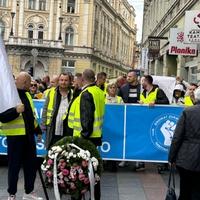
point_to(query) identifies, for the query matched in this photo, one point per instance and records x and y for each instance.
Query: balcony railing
(34, 42)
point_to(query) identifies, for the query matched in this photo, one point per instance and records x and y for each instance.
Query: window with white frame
(32, 4)
(2, 29)
(3, 3)
(71, 6)
(42, 4)
(68, 66)
(69, 36)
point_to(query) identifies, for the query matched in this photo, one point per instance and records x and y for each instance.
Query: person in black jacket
(185, 151)
(21, 148)
(130, 92)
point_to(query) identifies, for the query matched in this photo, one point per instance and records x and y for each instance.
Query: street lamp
(60, 20)
(12, 16)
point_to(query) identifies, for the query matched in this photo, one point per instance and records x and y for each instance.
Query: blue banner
(130, 132)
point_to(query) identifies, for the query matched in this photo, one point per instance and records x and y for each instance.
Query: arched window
(69, 36)
(2, 29)
(40, 34)
(30, 32)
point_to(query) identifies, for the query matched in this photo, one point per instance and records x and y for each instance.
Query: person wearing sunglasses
(34, 90)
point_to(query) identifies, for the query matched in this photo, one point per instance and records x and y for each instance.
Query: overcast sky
(138, 5)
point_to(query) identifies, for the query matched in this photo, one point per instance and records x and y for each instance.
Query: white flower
(87, 153)
(47, 166)
(74, 156)
(52, 156)
(70, 154)
(56, 149)
(94, 160)
(43, 168)
(63, 153)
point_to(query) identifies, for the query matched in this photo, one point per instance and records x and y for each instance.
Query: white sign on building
(144, 61)
(177, 45)
(192, 26)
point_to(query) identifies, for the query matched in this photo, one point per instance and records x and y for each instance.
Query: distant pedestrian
(185, 151)
(189, 98)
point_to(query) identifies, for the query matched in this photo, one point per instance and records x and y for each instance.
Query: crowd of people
(74, 106)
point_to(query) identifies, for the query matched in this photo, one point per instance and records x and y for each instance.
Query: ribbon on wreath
(90, 175)
(55, 180)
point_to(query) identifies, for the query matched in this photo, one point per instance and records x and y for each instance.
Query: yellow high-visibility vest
(188, 101)
(99, 101)
(71, 114)
(17, 126)
(150, 98)
(50, 107)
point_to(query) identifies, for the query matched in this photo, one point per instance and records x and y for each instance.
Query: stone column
(37, 5)
(59, 7)
(14, 9)
(165, 67)
(50, 31)
(21, 18)
(180, 66)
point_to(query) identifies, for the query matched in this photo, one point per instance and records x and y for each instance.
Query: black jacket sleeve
(87, 109)
(177, 138)
(161, 97)
(9, 115)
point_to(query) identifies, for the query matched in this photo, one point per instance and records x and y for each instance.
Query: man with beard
(55, 110)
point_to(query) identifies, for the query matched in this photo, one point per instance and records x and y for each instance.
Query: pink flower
(86, 181)
(81, 177)
(50, 162)
(62, 160)
(49, 174)
(84, 163)
(64, 164)
(65, 172)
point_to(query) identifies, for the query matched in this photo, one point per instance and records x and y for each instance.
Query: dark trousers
(189, 184)
(21, 152)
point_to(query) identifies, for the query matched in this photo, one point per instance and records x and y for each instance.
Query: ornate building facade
(159, 17)
(53, 36)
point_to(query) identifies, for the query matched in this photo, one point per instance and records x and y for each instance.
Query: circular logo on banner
(162, 131)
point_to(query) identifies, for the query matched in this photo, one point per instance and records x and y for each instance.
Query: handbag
(171, 194)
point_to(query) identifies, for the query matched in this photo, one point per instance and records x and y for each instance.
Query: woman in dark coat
(185, 151)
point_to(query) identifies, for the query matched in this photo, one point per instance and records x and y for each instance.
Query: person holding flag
(19, 124)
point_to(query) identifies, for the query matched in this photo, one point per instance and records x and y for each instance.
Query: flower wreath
(73, 159)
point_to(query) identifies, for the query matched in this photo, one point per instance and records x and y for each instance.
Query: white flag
(8, 92)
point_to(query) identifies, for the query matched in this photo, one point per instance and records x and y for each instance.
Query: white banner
(166, 83)
(9, 95)
(144, 62)
(177, 45)
(192, 26)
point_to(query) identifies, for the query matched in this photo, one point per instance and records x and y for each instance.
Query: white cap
(179, 87)
(197, 94)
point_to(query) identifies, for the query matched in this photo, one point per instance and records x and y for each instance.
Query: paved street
(125, 184)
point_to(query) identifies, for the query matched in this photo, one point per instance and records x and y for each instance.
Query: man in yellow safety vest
(19, 125)
(55, 110)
